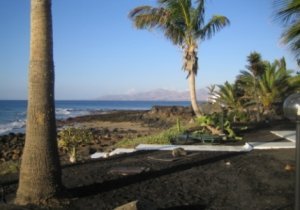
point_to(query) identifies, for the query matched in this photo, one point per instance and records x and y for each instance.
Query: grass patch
(9, 167)
(161, 138)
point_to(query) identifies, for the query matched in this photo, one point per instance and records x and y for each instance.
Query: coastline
(13, 112)
(202, 180)
(107, 128)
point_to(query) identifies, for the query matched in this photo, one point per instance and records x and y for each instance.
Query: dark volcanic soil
(258, 180)
(204, 180)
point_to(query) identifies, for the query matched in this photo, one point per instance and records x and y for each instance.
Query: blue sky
(97, 50)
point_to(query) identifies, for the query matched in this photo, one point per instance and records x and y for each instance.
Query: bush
(216, 122)
(71, 138)
(9, 167)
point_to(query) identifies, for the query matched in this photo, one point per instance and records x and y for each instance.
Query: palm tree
(256, 65)
(289, 14)
(228, 97)
(40, 174)
(249, 80)
(273, 84)
(294, 83)
(184, 25)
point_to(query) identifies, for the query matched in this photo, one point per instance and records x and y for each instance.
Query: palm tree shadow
(188, 207)
(96, 188)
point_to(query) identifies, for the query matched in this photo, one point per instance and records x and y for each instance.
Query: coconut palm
(289, 14)
(184, 25)
(40, 173)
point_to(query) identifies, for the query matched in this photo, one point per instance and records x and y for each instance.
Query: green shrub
(71, 138)
(218, 121)
(9, 167)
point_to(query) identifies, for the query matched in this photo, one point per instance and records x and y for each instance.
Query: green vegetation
(161, 138)
(9, 167)
(71, 138)
(216, 123)
(256, 95)
(178, 124)
(258, 92)
(288, 13)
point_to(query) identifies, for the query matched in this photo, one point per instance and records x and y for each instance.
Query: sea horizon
(13, 112)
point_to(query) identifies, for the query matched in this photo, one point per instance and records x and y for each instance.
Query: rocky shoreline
(107, 129)
(11, 146)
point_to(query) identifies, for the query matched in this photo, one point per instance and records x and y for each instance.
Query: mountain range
(157, 95)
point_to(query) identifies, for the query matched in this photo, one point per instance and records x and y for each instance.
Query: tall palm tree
(249, 79)
(184, 25)
(40, 174)
(255, 64)
(289, 14)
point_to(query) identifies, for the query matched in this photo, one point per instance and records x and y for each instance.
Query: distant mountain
(157, 95)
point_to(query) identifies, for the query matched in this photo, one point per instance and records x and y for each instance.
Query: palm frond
(200, 14)
(228, 96)
(289, 14)
(288, 11)
(148, 17)
(184, 9)
(294, 83)
(255, 64)
(292, 37)
(175, 34)
(216, 23)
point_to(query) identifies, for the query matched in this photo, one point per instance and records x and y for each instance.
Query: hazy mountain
(157, 95)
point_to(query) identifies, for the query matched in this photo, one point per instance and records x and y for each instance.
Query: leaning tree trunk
(40, 174)
(190, 64)
(193, 95)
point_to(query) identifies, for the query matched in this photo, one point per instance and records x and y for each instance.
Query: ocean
(13, 112)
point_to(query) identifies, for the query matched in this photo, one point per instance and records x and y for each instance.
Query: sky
(98, 51)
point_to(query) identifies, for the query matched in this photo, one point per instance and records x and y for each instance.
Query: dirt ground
(257, 180)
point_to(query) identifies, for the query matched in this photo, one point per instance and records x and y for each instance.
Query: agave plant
(71, 138)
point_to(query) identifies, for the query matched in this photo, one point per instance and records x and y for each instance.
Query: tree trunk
(190, 64)
(258, 118)
(193, 95)
(40, 174)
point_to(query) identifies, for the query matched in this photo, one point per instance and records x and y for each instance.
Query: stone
(137, 205)
(178, 152)
(289, 167)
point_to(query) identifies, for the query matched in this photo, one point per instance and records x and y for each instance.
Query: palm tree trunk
(40, 174)
(190, 64)
(193, 95)
(258, 118)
